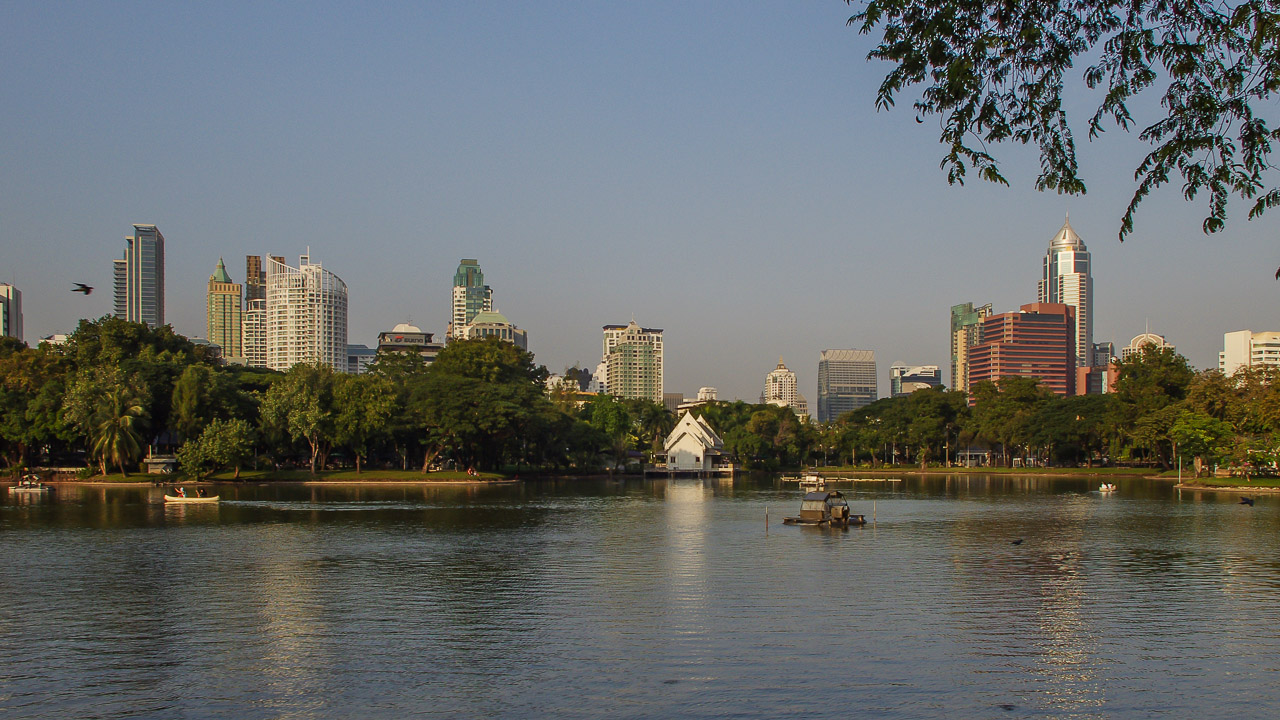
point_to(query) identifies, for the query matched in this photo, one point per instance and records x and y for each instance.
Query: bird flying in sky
(82, 288)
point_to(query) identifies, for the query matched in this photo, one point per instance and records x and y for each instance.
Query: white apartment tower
(780, 388)
(1248, 349)
(306, 316)
(632, 362)
(1065, 278)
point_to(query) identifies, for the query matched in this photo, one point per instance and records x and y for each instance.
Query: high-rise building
(846, 382)
(1066, 278)
(306, 316)
(1037, 342)
(905, 379)
(1140, 342)
(966, 331)
(225, 317)
(139, 278)
(253, 335)
(1248, 349)
(255, 277)
(470, 297)
(780, 388)
(632, 362)
(10, 311)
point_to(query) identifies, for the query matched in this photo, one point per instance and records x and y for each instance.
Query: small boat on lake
(809, 482)
(29, 484)
(825, 508)
(179, 499)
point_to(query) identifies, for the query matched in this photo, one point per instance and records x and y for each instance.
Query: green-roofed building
(225, 314)
(491, 323)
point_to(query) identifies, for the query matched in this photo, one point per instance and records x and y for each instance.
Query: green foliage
(300, 406)
(221, 444)
(995, 71)
(364, 404)
(109, 409)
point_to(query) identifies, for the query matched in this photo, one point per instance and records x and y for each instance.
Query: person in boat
(200, 492)
(182, 492)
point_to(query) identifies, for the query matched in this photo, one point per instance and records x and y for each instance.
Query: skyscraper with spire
(1066, 278)
(225, 313)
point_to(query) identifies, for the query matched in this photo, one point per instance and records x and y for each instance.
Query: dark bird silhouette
(922, 122)
(1018, 541)
(1246, 501)
(82, 288)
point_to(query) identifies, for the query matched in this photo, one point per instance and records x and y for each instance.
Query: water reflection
(650, 598)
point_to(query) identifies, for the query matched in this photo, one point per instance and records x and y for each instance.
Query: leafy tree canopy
(995, 70)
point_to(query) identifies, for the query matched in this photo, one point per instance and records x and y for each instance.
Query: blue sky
(719, 171)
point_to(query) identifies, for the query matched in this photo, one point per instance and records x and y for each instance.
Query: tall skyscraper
(10, 311)
(846, 382)
(1037, 342)
(306, 316)
(470, 296)
(225, 316)
(781, 388)
(966, 331)
(632, 362)
(1065, 278)
(905, 379)
(139, 278)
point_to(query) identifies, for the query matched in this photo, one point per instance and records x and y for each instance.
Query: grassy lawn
(907, 469)
(1233, 482)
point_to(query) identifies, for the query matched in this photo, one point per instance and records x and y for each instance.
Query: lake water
(630, 599)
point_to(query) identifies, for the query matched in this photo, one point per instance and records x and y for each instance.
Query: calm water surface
(638, 599)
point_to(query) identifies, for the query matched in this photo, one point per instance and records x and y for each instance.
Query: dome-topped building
(1066, 278)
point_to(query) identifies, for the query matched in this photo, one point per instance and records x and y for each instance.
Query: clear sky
(717, 170)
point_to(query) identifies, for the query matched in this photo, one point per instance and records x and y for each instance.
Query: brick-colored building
(1038, 341)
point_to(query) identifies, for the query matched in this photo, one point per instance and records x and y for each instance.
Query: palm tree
(115, 435)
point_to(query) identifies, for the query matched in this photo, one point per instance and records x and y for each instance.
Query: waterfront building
(1066, 278)
(905, 379)
(253, 333)
(1037, 342)
(306, 316)
(10, 311)
(139, 278)
(409, 338)
(632, 362)
(359, 358)
(224, 319)
(781, 388)
(1146, 339)
(966, 331)
(1248, 349)
(693, 446)
(846, 382)
(491, 323)
(470, 297)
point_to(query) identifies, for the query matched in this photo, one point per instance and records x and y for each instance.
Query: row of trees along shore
(117, 387)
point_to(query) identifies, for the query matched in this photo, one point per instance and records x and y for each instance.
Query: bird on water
(1018, 541)
(1246, 501)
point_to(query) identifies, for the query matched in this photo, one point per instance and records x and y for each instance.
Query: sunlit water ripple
(640, 600)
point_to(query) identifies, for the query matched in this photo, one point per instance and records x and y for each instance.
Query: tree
(110, 410)
(300, 405)
(614, 421)
(1004, 410)
(364, 405)
(995, 71)
(222, 443)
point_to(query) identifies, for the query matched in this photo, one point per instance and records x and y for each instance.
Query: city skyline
(738, 156)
